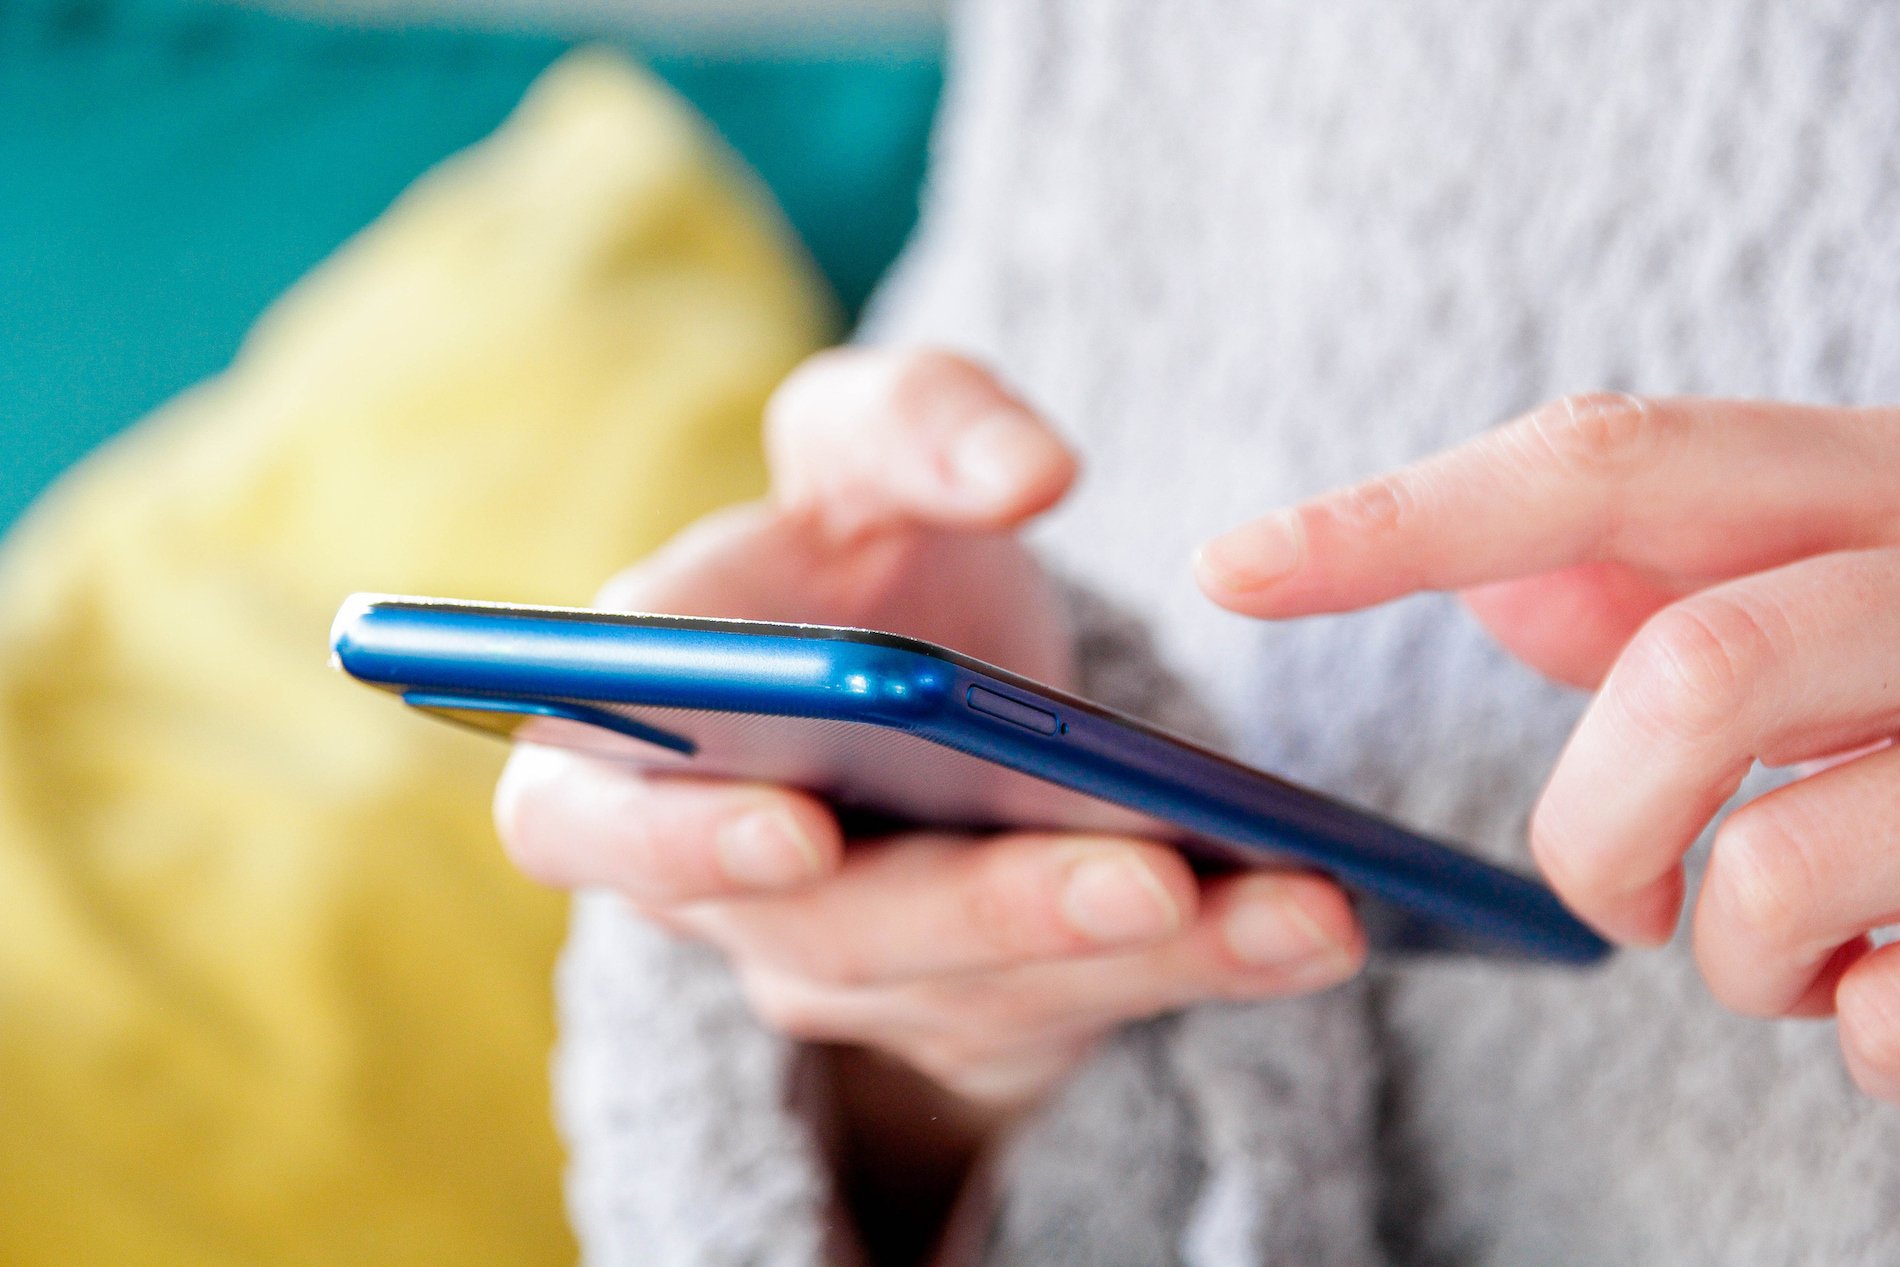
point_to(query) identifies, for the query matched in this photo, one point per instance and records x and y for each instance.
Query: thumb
(863, 438)
(753, 562)
(740, 563)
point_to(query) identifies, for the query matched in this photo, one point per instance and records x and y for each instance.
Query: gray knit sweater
(1242, 250)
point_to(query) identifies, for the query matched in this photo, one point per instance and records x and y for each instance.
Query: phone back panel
(896, 732)
(869, 773)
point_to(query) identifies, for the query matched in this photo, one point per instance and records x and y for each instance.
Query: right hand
(990, 965)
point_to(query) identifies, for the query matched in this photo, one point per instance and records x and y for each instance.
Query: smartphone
(898, 732)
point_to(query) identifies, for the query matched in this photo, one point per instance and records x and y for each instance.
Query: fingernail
(1275, 932)
(767, 849)
(1254, 556)
(997, 455)
(1116, 901)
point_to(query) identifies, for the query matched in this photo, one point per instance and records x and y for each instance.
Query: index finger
(1662, 484)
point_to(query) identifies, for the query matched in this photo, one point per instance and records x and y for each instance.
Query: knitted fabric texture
(1245, 251)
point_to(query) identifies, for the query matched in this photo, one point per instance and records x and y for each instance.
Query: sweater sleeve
(1227, 1134)
(683, 1115)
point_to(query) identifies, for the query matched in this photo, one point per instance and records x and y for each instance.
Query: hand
(990, 965)
(1728, 575)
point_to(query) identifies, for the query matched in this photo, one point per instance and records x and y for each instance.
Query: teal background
(167, 167)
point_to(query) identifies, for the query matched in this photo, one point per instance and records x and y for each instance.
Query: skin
(951, 981)
(1726, 576)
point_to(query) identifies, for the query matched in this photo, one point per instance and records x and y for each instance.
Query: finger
(862, 437)
(1259, 935)
(1868, 1004)
(1779, 666)
(735, 563)
(570, 821)
(747, 563)
(1795, 876)
(750, 562)
(930, 905)
(1571, 624)
(1255, 936)
(1670, 484)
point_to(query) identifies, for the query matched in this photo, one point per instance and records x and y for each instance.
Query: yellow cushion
(269, 993)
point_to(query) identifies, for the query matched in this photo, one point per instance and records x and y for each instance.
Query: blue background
(167, 167)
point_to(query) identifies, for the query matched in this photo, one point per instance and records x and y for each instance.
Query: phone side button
(1002, 707)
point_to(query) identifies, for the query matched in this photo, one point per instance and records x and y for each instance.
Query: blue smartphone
(895, 731)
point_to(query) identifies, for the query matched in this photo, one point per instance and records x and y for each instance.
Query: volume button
(1014, 711)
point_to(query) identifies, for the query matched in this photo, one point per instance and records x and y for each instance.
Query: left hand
(1727, 575)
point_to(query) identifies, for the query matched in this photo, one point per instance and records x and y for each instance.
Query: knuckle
(1383, 504)
(1598, 433)
(642, 861)
(1691, 670)
(993, 918)
(989, 922)
(1765, 869)
(652, 863)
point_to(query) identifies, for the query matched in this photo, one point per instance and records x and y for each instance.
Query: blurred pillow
(268, 991)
